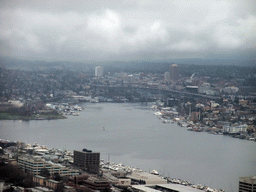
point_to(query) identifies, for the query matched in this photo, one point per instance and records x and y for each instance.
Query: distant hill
(132, 66)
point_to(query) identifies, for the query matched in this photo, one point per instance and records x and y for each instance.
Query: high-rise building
(174, 72)
(166, 76)
(87, 160)
(99, 71)
(247, 184)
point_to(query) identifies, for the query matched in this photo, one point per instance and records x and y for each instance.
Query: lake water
(135, 137)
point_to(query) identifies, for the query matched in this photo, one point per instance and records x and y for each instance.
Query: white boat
(154, 107)
(158, 113)
(78, 108)
(154, 172)
(165, 121)
(184, 124)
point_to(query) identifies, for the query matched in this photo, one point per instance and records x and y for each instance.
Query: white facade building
(167, 76)
(236, 129)
(99, 71)
(174, 72)
(34, 164)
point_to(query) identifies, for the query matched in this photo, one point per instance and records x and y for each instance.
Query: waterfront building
(247, 184)
(164, 187)
(194, 116)
(34, 165)
(235, 129)
(99, 71)
(174, 72)
(87, 160)
(146, 178)
(117, 178)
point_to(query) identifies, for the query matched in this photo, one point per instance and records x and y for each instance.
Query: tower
(166, 76)
(174, 72)
(98, 71)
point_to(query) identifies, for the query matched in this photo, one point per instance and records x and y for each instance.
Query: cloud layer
(127, 30)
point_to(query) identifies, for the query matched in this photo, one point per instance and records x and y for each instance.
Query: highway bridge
(156, 90)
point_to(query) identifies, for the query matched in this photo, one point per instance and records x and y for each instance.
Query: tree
(28, 181)
(56, 177)
(11, 173)
(45, 172)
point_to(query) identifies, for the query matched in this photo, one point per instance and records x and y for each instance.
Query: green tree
(12, 174)
(45, 172)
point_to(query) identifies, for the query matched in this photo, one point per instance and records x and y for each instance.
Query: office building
(166, 77)
(174, 73)
(99, 71)
(247, 184)
(87, 160)
(34, 165)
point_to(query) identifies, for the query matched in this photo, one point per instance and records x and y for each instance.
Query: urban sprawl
(220, 100)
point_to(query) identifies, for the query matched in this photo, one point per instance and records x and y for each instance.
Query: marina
(63, 160)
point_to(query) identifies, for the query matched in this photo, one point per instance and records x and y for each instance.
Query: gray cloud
(127, 30)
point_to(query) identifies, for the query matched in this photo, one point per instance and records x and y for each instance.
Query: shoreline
(114, 167)
(170, 115)
(7, 116)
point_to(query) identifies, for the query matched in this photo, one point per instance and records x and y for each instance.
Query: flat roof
(86, 152)
(180, 188)
(145, 188)
(176, 187)
(249, 180)
(147, 177)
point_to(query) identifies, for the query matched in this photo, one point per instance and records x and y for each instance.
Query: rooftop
(251, 179)
(147, 177)
(166, 187)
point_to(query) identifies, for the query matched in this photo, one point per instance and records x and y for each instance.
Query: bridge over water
(164, 92)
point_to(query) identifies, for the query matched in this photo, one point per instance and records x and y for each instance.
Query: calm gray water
(135, 137)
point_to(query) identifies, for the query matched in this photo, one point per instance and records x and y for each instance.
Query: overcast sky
(95, 30)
